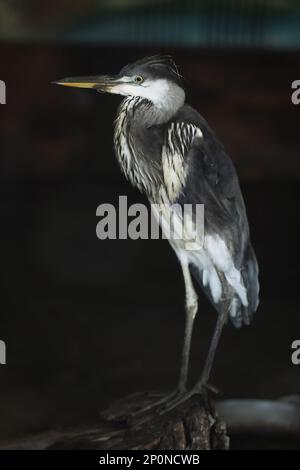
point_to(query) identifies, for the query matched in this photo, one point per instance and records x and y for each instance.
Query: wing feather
(197, 170)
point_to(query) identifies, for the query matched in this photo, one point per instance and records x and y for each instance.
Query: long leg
(202, 382)
(212, 350)
(191, 307)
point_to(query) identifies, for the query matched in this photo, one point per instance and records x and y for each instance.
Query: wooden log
(193, 425)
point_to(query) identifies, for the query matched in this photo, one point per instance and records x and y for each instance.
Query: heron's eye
(138, 79)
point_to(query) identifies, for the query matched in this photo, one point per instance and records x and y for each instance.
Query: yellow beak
(100, 82)
(76, 84)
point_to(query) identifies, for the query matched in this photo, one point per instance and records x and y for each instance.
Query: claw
(211, 388)
(199, 389)
(179, 400)
(174, 403)
(155, 404)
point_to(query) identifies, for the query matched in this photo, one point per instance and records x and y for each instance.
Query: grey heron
(167, 150)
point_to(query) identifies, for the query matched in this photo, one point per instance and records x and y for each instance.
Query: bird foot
(200, 388)
(157, 403)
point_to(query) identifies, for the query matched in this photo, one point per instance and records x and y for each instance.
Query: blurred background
(88, 321)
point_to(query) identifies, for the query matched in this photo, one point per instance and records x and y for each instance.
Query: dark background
(86, 321)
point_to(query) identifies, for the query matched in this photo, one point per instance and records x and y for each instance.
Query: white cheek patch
(122, 89)
(126, 88)
(162, 93)
(156, 91)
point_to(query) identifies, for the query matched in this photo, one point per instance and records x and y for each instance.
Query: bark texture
(192, 426)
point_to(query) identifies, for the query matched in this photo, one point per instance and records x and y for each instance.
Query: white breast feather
(179, 139)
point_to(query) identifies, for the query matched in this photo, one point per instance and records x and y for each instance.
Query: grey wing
(211, 180)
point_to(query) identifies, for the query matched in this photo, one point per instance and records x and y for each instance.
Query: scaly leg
(212, 350)
(202, 383)
(191, 307)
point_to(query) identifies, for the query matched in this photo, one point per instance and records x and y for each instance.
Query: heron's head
(155, 79)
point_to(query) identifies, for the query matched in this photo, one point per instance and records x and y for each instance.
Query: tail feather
(250, 278)
(238, 313)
